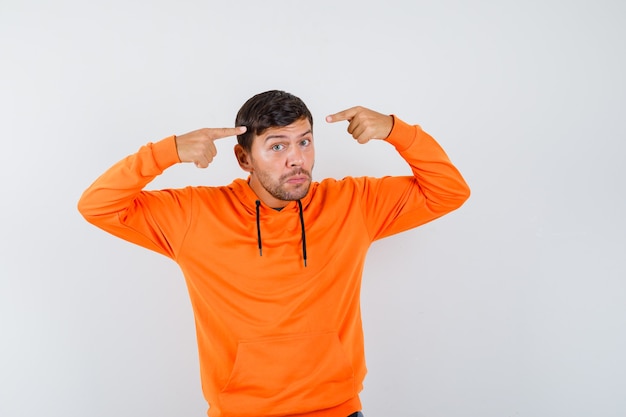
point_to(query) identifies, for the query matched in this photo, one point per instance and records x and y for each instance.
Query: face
(280, 163)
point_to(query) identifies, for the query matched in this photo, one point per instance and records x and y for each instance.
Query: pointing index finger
(347, 114)
(224, 132)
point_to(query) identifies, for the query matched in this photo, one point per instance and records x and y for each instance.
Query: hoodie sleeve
(394, 204)
(117, 203)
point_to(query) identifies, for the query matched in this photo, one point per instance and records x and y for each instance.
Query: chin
(299, 194)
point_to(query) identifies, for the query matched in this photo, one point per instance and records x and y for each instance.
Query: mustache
(297, 171)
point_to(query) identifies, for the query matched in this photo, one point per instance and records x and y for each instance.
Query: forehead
(297, 129)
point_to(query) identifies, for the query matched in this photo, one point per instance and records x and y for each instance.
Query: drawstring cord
(258, 229)
(303, 233)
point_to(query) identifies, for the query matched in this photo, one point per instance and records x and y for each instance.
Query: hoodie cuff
(165, 153)
(402, 134)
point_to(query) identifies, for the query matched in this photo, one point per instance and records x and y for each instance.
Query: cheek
(262, 156)
(269, 159)
(267, 162)
(310, 154)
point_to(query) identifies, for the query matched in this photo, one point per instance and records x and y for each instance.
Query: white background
(514, 305)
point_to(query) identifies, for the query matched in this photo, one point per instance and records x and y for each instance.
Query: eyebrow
(285, 136)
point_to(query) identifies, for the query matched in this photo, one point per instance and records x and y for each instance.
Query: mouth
(297, 179)
(300, 177)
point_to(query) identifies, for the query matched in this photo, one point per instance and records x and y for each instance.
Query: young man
(273, 263)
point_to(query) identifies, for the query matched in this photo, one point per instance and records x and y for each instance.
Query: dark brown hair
(272, 108)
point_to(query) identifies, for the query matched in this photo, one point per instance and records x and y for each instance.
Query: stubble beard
(278, 189)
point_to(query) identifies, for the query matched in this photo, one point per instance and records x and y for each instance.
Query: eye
(277, 147)
(305, 142)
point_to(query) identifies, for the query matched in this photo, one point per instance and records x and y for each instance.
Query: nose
(295, 157)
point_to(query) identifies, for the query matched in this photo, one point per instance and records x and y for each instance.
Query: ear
(243, 158)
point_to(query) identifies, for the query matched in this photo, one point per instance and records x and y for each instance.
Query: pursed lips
(296, 178)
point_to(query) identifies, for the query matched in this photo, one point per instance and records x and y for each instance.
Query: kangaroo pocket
(288, 375)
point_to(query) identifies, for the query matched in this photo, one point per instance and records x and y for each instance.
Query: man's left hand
(365, 124)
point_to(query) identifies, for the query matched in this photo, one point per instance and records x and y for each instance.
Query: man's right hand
(199, 147)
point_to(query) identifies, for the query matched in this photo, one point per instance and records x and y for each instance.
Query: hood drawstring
(258, 229)
(303, 233)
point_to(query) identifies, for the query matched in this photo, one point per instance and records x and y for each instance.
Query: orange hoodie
(275, 337)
